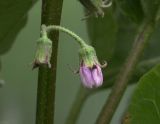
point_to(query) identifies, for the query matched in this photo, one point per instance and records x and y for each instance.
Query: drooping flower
(90, 69)
(43, 52)
(91, 77)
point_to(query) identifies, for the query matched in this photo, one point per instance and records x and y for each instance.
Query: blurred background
(18, 94)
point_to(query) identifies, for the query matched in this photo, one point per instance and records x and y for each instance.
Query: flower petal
(97, 76)
(86, 77)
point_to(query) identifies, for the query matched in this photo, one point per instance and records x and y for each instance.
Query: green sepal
(43, 51)
(88, 56)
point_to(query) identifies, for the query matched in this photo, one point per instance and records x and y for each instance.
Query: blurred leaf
(150, 8)
(124, 40)
(13, 17)
(145, 104)
(112, 40)
(117, 49)
(0, 64)
(132, 9)
(125, 37)
(102, 32)
(158, 16)
(153, 47)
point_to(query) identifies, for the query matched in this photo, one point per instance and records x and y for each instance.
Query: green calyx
(88, 56)
(43, 51)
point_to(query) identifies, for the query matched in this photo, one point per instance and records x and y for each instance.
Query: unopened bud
(90, 68)
(43, 52)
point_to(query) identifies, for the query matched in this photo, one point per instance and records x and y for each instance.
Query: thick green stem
(51, 14)
(125, 74)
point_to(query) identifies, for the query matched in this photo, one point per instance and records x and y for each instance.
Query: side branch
(125, 74)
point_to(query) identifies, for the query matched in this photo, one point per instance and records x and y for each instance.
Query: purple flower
(91, 76)
(90, 68)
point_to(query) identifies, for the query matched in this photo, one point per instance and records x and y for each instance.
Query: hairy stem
(125, 74)
(65, 30)
(51, 14)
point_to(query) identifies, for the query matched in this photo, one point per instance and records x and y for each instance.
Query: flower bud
(90, 69)
(43, 52)
(91, 77)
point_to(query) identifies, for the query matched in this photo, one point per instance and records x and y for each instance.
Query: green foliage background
(112, 37)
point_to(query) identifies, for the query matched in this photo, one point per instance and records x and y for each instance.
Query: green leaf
(112, 40)
(102, 33)
(132, 9)
(125, 37)
(13, 14)
(117, 49)
(150, 8)
(153, 47)
(145, 104)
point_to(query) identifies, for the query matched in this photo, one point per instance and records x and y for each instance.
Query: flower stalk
(90, 68)
(50, 28)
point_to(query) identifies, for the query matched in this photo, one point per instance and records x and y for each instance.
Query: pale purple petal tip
(97, 76)
(86, 77)
(91, 77)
